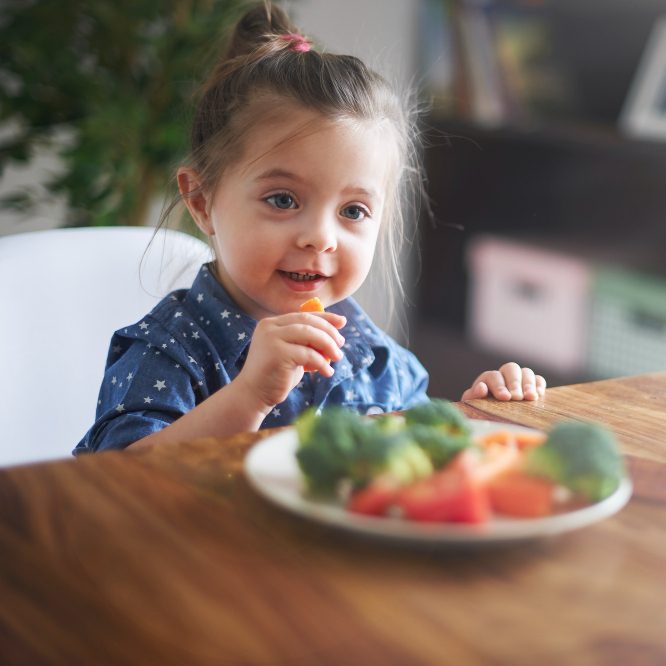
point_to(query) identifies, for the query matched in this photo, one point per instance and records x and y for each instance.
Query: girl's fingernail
(341, 340)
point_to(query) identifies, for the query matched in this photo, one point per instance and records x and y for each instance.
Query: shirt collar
(233, 328)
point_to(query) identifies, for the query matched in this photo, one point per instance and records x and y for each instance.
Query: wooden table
(166, 556)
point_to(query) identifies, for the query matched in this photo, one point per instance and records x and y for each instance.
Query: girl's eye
(282, 200)
(355, 212)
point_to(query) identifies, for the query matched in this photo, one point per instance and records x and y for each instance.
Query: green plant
(116, 78)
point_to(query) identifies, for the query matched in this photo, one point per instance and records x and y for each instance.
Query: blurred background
(545, 132)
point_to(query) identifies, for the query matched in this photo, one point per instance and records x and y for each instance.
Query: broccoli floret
(327, 444)
(389, 423)
(439, 413)
(440, 446)
(391, 455)
(340, 444)
(584, 457)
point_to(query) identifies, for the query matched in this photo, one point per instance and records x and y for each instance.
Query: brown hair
(261, 66)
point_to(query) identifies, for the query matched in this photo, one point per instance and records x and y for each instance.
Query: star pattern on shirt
(159, 384)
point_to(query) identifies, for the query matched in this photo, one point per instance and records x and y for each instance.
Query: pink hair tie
(297, 42)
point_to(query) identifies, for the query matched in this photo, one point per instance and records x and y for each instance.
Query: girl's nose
(318, 234)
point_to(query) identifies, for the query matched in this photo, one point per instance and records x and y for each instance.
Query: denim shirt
(196, 340)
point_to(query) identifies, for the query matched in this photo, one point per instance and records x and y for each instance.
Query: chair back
(63, 292)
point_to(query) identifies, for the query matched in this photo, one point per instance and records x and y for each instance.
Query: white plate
(272, 470)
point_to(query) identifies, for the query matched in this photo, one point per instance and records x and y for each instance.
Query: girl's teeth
(303, 277)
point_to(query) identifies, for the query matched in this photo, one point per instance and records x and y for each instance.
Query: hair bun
(260, 24)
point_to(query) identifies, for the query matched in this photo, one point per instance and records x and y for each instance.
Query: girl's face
(298, 215)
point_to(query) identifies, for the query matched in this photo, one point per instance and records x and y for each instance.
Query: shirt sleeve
(147, 385)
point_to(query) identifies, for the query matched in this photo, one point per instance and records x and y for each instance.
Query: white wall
(383, 33)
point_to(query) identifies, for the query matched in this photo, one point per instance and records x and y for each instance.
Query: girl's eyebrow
(279, 173)
(283, 173)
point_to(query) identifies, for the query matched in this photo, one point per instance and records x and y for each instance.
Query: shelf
(506, 181)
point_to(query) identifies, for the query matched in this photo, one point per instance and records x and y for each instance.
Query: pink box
(529, 302)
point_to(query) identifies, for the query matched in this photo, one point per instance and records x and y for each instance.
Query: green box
(628, 323)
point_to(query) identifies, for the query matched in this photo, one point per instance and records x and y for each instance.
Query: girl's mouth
(304, 277)
(302, 280)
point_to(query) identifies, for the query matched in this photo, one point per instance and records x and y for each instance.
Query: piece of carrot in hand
(312, 305)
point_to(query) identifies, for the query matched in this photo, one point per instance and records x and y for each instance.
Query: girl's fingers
(477, 390)
(496, 384)
(510, 382)
(310, 358)
(325, 321)
(529, 384)
(311, 336)
(513, 379)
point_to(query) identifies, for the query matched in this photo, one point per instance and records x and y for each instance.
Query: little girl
(298, 160)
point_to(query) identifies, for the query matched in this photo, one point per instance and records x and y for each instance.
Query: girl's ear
(195, 199)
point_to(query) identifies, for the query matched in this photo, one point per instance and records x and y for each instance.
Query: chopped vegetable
(375, 499)
(312, 305)
(425, 465)
(583, 457)
(489, 462)
(449, 495)
(327, 445)
(523, 440)
(440, 413)
(521, 496)
(340, 444)
(439, 445)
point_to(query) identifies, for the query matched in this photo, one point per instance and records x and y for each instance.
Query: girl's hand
(510, 382)
(281, 346)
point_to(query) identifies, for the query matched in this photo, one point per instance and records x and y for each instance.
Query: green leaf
(120, 75)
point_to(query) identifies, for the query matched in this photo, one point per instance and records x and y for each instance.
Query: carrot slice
(521, 440)
(522, 496)
(312, 305)
(525, 440)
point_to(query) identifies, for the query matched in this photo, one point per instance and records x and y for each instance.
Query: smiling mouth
(302, 277)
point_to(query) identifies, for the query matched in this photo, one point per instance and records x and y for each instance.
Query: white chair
(62, 294)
